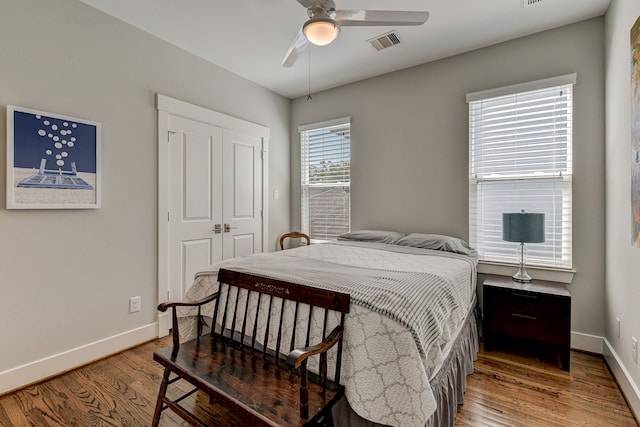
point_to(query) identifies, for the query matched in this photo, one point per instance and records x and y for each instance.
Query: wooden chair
(293, 235)
(262, 379)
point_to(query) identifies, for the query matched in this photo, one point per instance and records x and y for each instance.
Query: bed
(412, 334)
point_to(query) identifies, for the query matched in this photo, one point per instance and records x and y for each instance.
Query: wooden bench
(263, 385)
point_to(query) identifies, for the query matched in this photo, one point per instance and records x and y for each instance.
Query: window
(326, 169)
(520, 157)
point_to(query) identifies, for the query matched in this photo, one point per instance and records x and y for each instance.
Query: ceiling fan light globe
(321, 31)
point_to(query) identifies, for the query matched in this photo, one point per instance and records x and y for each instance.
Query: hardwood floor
(508, 388)
(118, 391)
(526, 387)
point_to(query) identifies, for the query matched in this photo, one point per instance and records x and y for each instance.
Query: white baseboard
(164, 324)
(39, 370)
(586, 342)
(622, 376)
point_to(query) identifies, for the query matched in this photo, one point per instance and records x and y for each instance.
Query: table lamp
(523, 228)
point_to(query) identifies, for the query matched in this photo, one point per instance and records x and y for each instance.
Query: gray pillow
(376, 236)
(437, 242)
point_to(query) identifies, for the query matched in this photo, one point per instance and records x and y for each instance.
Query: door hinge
(169, 133)
(168, 216)
(168, 295)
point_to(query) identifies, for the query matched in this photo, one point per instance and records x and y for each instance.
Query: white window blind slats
(326, 176)
(522, 134)
(520, 158)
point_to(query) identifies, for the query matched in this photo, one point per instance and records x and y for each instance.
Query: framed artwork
(635, 134)
(53, 161)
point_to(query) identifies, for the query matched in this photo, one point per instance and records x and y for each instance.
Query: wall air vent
(527, 3)
(384, 41)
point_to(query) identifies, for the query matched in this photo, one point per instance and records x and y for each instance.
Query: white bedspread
(388, 358)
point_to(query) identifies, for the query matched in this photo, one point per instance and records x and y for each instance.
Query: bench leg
(324, 419)
(160, 401)
(328, 418)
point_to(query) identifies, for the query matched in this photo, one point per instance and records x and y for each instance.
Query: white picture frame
(53, 161)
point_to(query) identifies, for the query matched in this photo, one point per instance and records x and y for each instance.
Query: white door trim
(170, 106)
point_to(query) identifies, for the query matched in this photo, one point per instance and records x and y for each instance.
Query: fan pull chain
(309, 98)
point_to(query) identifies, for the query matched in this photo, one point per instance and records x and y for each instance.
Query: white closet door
(212, 170)
(195, 200)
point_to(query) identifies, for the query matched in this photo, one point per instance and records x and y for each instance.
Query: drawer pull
(524, 316)
(516, 294)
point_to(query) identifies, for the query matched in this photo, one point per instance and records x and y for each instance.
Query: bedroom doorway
(211, 180)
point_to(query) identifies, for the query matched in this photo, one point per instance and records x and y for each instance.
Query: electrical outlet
(134, 304)
(617, 327)
(634, 349)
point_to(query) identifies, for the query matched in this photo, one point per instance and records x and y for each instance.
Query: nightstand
(539, 311)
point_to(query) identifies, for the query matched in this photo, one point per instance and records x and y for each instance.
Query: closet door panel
(242, 195)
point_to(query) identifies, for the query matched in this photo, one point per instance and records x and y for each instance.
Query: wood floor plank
(11, 414)
(42, 405)
(508, 389)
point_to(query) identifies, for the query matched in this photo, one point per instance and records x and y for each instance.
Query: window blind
(521, 158)
(326, 177)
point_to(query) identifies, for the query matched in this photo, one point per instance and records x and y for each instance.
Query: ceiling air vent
(386, 40)
(526, 3)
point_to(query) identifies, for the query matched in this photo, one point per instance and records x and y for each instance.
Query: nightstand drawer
(526, 303)
(550, 329)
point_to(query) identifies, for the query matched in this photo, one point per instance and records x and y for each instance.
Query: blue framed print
(53, 161)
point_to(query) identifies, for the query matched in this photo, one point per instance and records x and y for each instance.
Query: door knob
(217, 228)
(228, 227)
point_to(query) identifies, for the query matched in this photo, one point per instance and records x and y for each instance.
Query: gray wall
(410, 144)
(622, 259)
(66, 275)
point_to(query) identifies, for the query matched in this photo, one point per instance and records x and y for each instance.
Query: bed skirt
(448, 384)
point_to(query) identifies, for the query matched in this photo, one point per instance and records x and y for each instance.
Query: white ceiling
(251, 37)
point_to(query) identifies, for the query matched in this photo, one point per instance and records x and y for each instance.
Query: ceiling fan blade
(380, 17)
(323, 4)
(298, 46)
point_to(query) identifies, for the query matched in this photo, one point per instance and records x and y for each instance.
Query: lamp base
(521, 276)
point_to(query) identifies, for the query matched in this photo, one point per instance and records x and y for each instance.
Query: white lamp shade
(321, 31)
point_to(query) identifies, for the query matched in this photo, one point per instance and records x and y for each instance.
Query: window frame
(306, 186)
(565, 264)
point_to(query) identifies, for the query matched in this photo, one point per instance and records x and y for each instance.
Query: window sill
(562, 275)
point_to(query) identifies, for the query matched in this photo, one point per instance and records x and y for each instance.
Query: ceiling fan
(325, 21)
